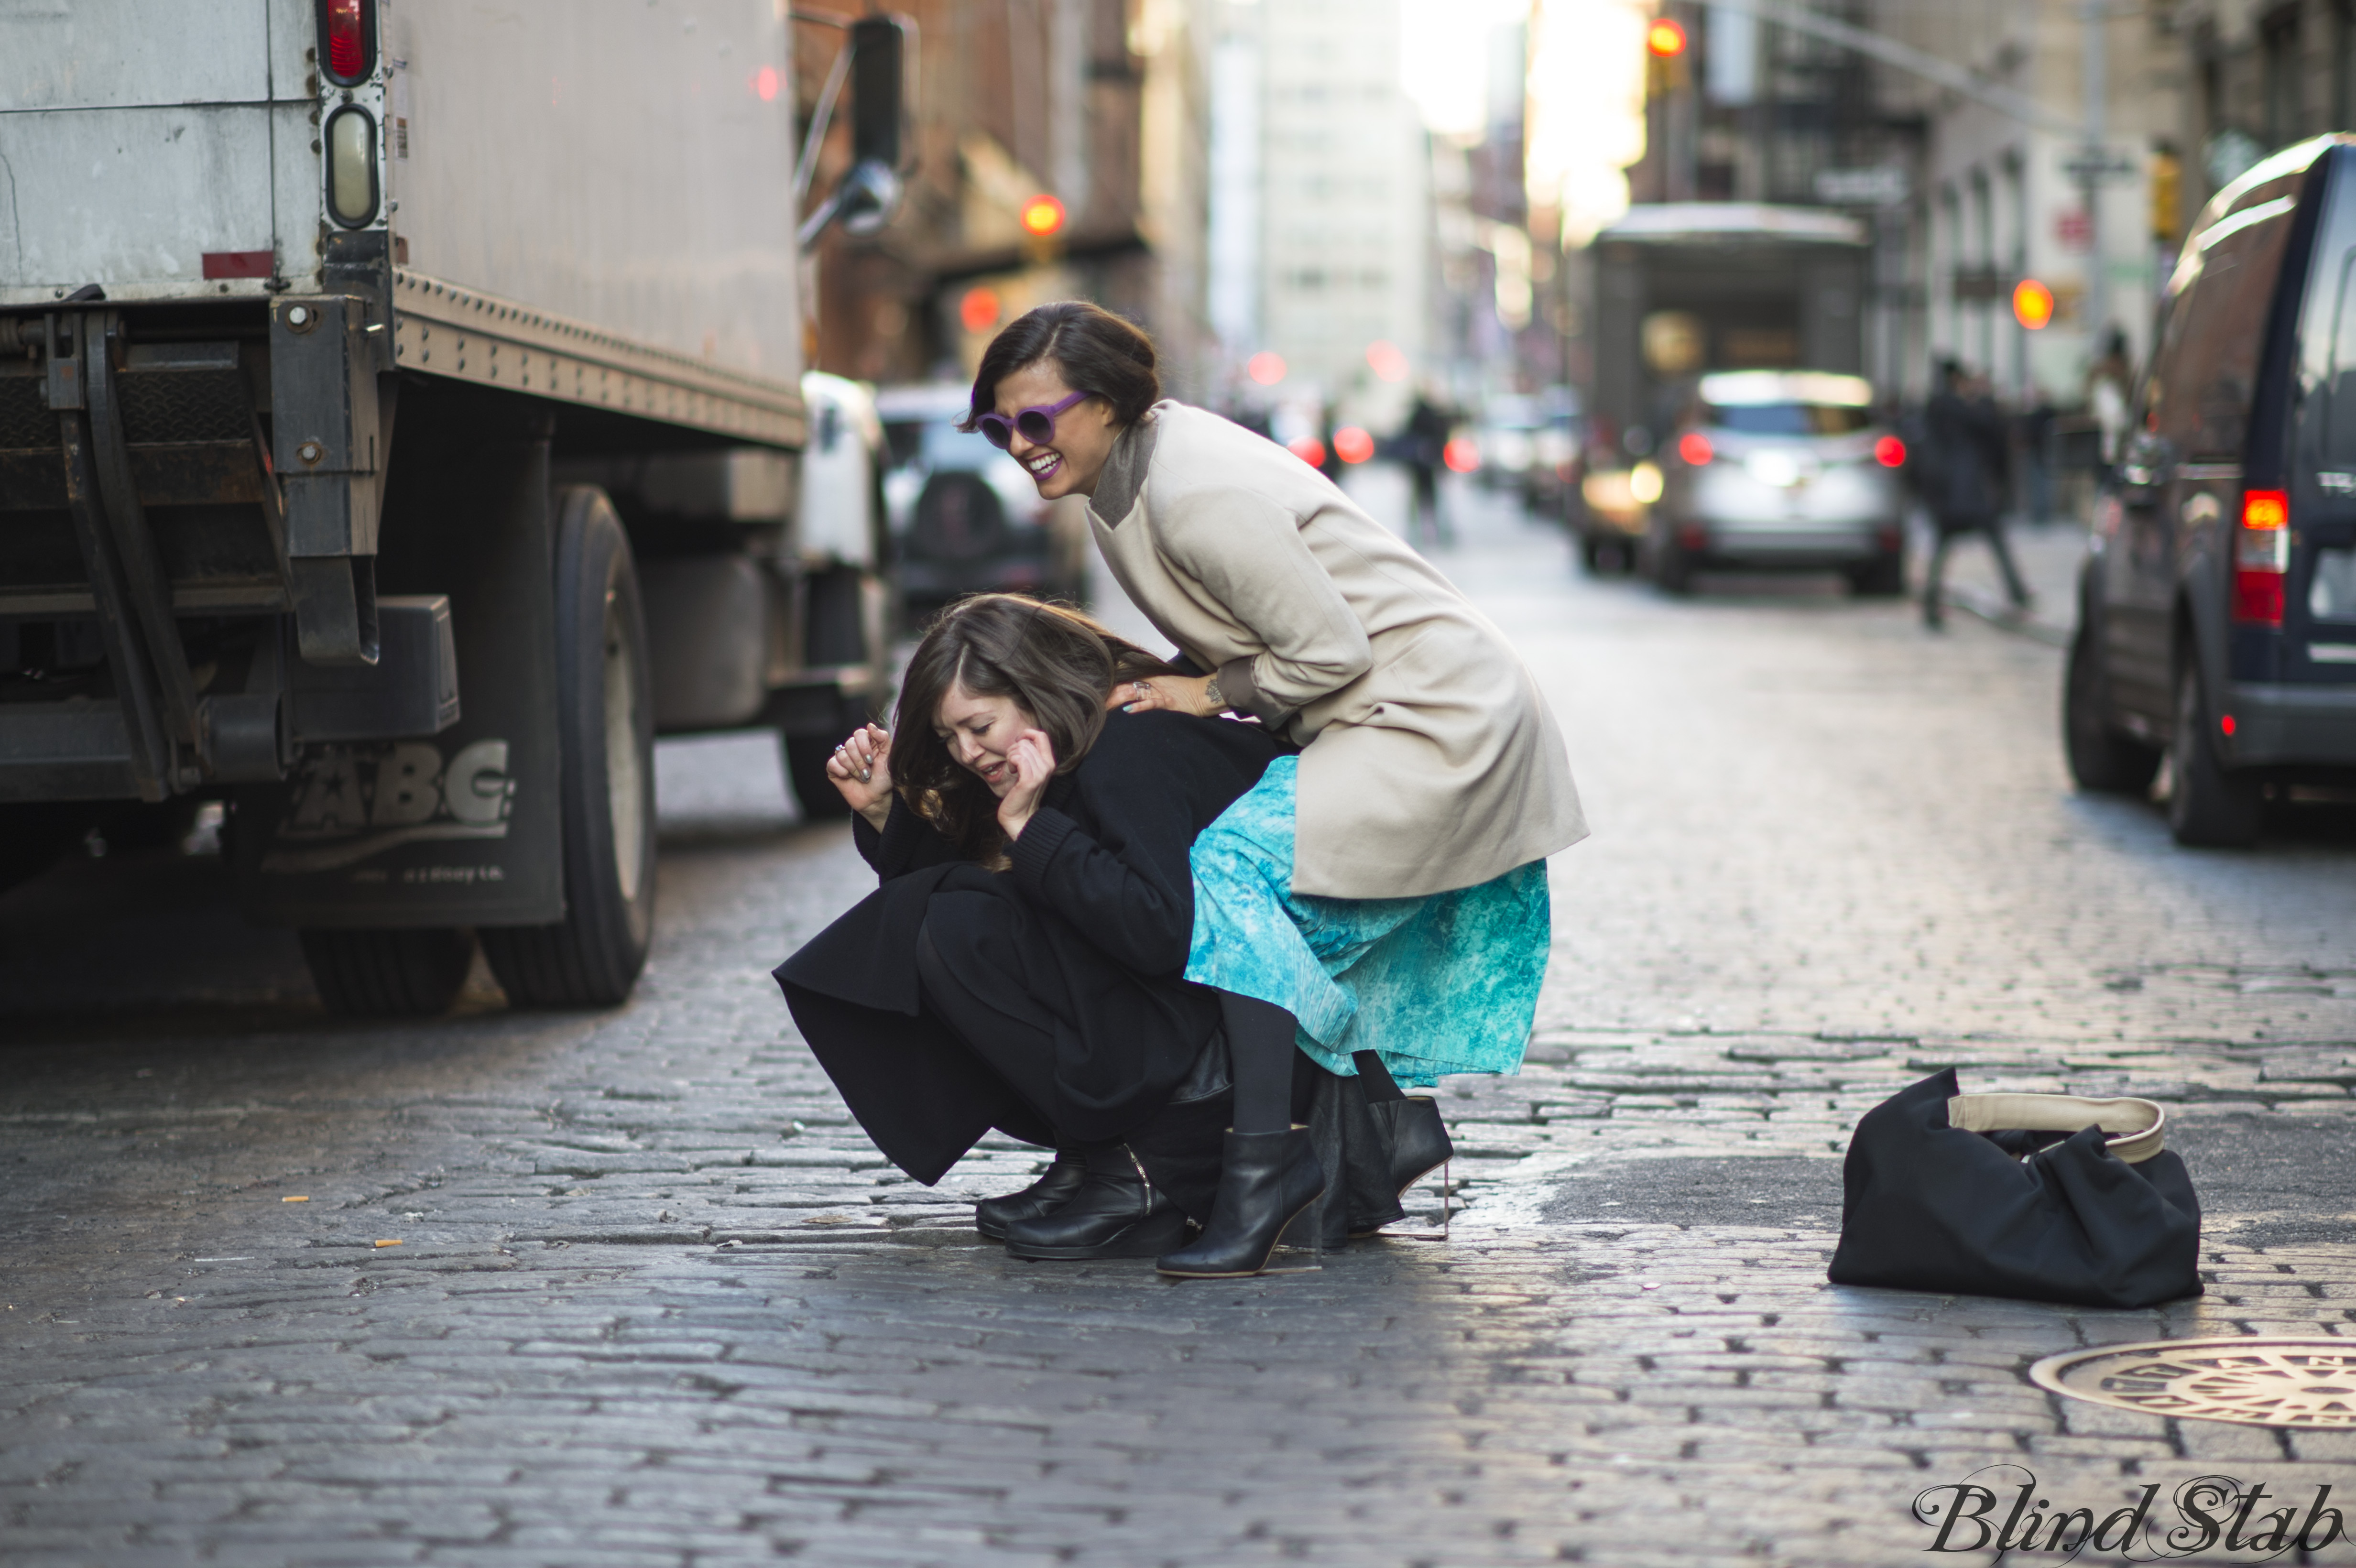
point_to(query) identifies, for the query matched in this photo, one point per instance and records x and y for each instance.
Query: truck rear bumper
(2280, 724)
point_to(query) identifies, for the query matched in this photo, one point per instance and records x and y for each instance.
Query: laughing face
(978, 730)
(1069, 461)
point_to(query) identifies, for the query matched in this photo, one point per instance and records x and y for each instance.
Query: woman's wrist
(877, 813)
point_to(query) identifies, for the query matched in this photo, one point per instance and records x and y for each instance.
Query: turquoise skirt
(1446, 983)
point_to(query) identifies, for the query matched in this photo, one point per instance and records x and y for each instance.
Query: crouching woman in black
(1020, 966)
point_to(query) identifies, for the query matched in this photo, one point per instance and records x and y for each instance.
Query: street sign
(2086, 167)
(1980, 283)
(1884, 185)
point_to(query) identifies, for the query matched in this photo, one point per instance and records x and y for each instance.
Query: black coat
(1105, 917)
(1964, 484)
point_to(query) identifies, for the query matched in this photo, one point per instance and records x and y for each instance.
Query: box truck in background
(1685, 288)
(403, 421)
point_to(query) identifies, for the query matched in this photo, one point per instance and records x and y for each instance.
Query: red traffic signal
(2033, 305)
(1042, 215)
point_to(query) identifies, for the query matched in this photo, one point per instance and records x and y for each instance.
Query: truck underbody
(406, 571)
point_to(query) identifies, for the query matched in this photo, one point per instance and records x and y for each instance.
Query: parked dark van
(2217, 606)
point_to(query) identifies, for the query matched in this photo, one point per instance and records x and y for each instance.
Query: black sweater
(1103, 865)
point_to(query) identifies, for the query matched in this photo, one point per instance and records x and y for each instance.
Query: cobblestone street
(630, 1290)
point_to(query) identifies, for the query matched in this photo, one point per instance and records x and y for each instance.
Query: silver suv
(1778, 469)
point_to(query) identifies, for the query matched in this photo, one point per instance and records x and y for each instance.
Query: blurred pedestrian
(1379, 903)
(1425, 447)
(1965, 480)
(1329, 464)
(2110, 381)
(2034, 426)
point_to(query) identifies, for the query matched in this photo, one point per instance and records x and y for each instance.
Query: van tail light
(347, 39)
(1694, 447)
(2262, 557)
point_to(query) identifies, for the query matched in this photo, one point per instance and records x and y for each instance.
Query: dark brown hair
(1053, 663)
(1097, 351)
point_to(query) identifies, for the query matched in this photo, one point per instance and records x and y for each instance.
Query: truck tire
(806, 757)
(37, 835)
(1882, 578)
(958, 521)
(389, 974)
(1602, 556)
(1673, 567)
(605, 718)
(2102, 760)
(2209, 806)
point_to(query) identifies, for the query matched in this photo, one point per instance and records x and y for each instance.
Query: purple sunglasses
(1036, 422)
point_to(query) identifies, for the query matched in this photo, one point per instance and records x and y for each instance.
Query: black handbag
(2042, 1197)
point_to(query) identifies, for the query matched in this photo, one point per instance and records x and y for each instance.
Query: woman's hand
(1179, 693)
(1033, 758)
(860, 769)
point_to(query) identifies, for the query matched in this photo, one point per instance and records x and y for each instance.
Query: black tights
(1260, 1053)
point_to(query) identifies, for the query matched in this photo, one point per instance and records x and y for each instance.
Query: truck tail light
(351, 166)
(1694, 447)
(347, 39)
(2262, 557)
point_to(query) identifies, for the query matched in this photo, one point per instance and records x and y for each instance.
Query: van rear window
(2209, 358)
(2331, 592)
(1787, 419)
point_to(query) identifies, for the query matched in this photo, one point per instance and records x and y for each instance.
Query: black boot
(1044, 1196)
(1420, 1143)
(1116, 1213)
(1266, 1181)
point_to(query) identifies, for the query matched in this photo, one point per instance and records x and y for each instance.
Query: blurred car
(2217, 604)
(964, 518)
(1551, 486)
(1777, 469)
(1508, 436)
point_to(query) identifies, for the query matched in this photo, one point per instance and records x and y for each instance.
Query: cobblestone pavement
(628, 1289)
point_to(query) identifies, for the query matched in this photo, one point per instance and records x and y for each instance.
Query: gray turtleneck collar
(1124, 473)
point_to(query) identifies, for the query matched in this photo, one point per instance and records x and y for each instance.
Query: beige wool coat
(1431, 761)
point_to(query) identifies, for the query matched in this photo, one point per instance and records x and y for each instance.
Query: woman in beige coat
(1381, 902)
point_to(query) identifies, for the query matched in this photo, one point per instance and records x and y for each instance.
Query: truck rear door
(152, 144)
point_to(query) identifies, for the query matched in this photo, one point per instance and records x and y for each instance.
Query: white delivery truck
(402, 423)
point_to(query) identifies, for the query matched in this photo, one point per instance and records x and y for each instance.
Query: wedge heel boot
(1266, 1181)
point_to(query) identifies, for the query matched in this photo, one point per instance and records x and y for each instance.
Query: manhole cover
(2258, 1381)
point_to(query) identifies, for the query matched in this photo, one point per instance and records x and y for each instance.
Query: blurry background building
(1060, 151)
(1320, 213)
(1319, 207)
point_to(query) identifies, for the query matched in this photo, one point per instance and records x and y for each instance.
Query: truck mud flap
(462, 828)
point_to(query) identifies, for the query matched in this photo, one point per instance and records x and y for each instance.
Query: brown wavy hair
(1052, 662)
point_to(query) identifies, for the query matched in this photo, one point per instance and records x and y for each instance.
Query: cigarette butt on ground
(293, 1201)
(388, 1243)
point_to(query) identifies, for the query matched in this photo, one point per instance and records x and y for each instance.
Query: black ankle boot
(1420, 1143)
(1116, 1213)
(1266, 1181)
(1050, 1191)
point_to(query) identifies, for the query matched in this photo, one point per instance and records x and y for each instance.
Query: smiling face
(978, 730)
(1068, 462)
